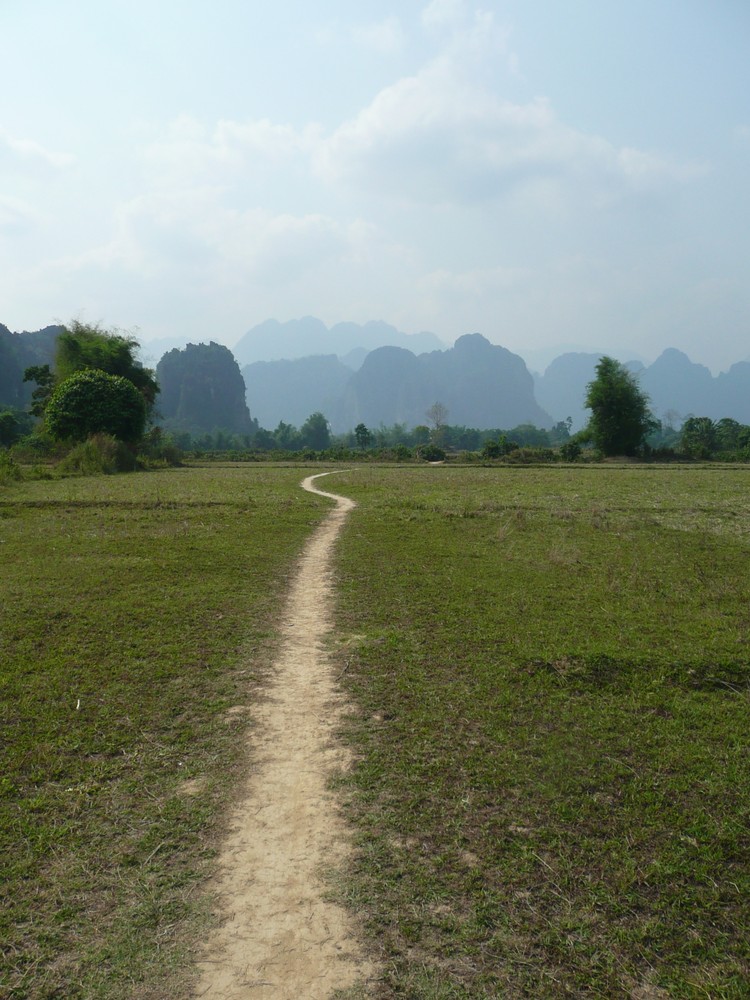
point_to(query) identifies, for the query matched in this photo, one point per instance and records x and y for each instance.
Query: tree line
(97, 386)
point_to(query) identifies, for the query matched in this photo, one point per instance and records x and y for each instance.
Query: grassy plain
(550, 673)
(551, 669)
(135, 613)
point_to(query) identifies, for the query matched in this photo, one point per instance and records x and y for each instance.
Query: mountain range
(298, 338)
(480, 384)
(676, 386)
(373, 374)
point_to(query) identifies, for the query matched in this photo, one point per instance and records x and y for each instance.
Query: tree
(45, 383)
(496, 449)
(363, 436)
(699, 437)
(10, 430)
(92, 402)
(315, 432)
(286, 437)
(729, 434)
(620, 415)
(437, 415)
(82, 346)
(264, 440)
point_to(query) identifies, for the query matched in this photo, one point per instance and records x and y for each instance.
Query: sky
(554, 174)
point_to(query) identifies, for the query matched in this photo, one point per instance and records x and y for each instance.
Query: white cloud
(17, 217)
(227, 155)
(444, 13)
(438, 137)
(385, 37)
(27, 150)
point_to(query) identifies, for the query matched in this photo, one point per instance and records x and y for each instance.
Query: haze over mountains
(299, 338)
(676, 386)
(374, 374)
(481, 384)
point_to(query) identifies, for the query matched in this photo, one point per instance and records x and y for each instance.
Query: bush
(10, 429)
(32, 447)
(430, 453)
(102, 454)
(571, 450)
(529, 456)
(10, 470)
(93, 402)
(159, 449)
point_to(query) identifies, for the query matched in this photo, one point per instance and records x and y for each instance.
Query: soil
(279, 936)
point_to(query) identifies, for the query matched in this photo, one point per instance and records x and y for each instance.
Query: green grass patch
(551, 675)
(135, 612)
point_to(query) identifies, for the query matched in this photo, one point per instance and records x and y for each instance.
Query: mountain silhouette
(481, 385)
(299, 338)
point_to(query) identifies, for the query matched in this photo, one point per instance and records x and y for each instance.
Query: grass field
(551, 671)
(135, 613)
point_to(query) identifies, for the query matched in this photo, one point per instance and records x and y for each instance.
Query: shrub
(10, 470)
(102, 454)
(93, 402)
(430, 453)
(570, 451)
(528, 456)
(32, 447)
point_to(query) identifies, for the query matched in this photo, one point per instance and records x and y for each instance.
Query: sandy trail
(279, 938)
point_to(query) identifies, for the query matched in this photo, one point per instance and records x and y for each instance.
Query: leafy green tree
(529, 436)
(93, 402)
(363, 436)
(499, 448)
(699, 437)
(45, 383)
(82, 346)
(10, 429)
(315, 432)
(286, 437)
(264, 440)
(729, 434)
(620, 416)
(570, 450)
(561, 431)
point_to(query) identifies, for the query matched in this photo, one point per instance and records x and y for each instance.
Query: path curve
(279, 939)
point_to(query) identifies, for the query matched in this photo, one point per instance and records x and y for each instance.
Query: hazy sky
(546, 172)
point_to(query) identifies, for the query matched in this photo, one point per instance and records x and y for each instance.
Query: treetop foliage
(83, 346)
(93, 402)
(620, 416)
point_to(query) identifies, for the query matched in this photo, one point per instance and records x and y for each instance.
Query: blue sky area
(555, 174)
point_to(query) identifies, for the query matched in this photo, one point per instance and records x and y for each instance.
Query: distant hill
(19, 351)
(292, 390)
(202, 390)
(482, 385)
(676, 386)
(300, 338)
(373, 373)
(562, 387)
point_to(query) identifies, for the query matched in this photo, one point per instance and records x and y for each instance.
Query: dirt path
(279, 938)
